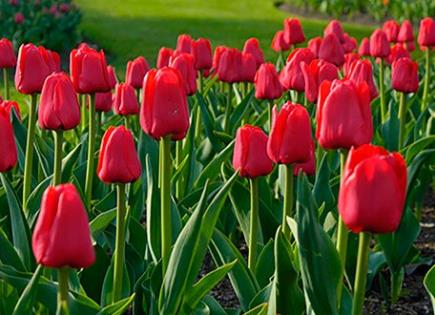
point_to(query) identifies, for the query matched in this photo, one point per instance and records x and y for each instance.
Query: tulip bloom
(406, 33)
(314, 74)
(249, 68)
(88, 70)
(391, 29)
(58, 107)
(9, 105)
(164, 110)
(184, 43)
(185, 64)
(230, 66)
(164, 56)
(309, 167)
(7, 54)
(334, 27)
(343, 115)
(252, 46)
(348, 61)
(379, 45)
(267, 84)
(125, 101)
(364, 47)
(52, 59)
(314, 45)
(112, 77)
(279, 43)
(361, 71)
(293, 32)
(219, 50)
(201, 51)
(8, 148)
(331, 50)
(136, 71)
(103, 102)
(426, 35)
(349, 43)
(291, 75)
(397, 52)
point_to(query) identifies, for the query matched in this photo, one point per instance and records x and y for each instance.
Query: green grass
(129, 28)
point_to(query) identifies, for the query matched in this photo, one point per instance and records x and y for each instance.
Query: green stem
(198, 111)
(91, 152)
(119, 243)
(62, 293)
(83, 118)
(178, 160)
(228, 108)
(381, 90)
(138, 95)
(361, 273)
(342, 238)
(6, 82)
(426, 79)
(28, 163)
(57, 172)
(270, 108)
(288, 199)
(253, 226)
(402, 119)
(127, 122)
(165, 194)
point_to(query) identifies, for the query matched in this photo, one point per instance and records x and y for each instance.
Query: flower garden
(293, 174)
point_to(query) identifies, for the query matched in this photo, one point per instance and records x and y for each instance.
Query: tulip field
(295, 179)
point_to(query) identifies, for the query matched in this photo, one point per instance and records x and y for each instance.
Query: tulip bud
(331, 50)
(334, 27)
(279, 43)
(249, 68)
(62, 237)
(184, 43)
(391, 29)
(164, 110)
(103, 102)
(31, 70)
(88, 70)
(125, 101)
(290, 136)
(343, 115)
(404, 75)
(58, 107)
(164, 56)
(118, 161)
(314, 45)
(293, 32)
(7, 54)
(9, 105)
(136, 71)
(291, 75)
(185, 64)
(52, 59)
(267, 85)
(364, 47)
(348, 61)
(8, 148)
(362, 71)
(201, 51)
(372, 190)
(230, 66)
(406, 33)
(309, 168)
(397, 52)
(112, 77)
(426, 35)
(252, 46)
(314, 74)
(19, 18)
(219, 50)
(250, 152)
(379, 45)
(349, 43)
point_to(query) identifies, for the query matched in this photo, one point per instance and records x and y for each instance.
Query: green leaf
(264, 270)
(429, 284)
(153, 213)
(25, 303)
(415, 166)
(416, 147)
(107, 290)
(8, 254)
(322, 190)
(101, 221)
(69, 161)
(258, 310)
(118, 308)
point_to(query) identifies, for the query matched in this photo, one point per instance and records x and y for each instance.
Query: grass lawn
(129, 28)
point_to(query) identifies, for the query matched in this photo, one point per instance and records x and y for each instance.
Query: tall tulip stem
(361, 273)
(62, 293)
(165, 199)
(228, 108)
(288, 198)
(402, 119)
(198, 109)
(253, 225)
(28, 163)
(127, 122)
(119, 243)
(426, 79)
(6, 82)
(342, 238)
(270, 108)
(381, 91)
(57, 171)
(91, 152)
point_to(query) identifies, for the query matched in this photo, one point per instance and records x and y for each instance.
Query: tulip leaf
(322, 190)
(264, 270)
(429, 284)
(8, 254)
(25, 303)
(258, 310)
(69, 161)
(118, 308)
(107, 289)
(240, 112)
(415, 166)
(100, 222)
(34, 199)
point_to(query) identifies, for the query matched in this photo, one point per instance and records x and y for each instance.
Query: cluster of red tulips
(331, 72)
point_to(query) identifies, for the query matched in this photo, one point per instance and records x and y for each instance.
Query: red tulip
(8, 148)
(184, 43)
(290, 136)
(379, 45)
(9, 105)
(267, 85)
(349, 44)
(309, 168)
(331, 50)
(88, 70)
(252, 46)
(314, 74)
(291, 75)
(426, 34)
(249, 68)
(362, 71)
(219, 50)
(410, 46)
(348, 61)
(164, 56)
(279, 43)
(373, 190)
(397, 52)
(52, 59)
(391, 29)
(343, 115)
(7, 54)
(19, 18)
(118, 161)
(230, 66)
(103, 102)
(31, 70)
(250, 152)
(58, 107)
(164, 110)
(112, 77)
(62, 237)
(406, 33)
(185, 64)
(201, 51)
(364, 47)
(293, 32)
(136, 71)
(404, 75)
(314, 45)
(334, 27)
(125, 101)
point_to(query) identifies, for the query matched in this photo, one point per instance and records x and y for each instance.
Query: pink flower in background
(19, 18)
